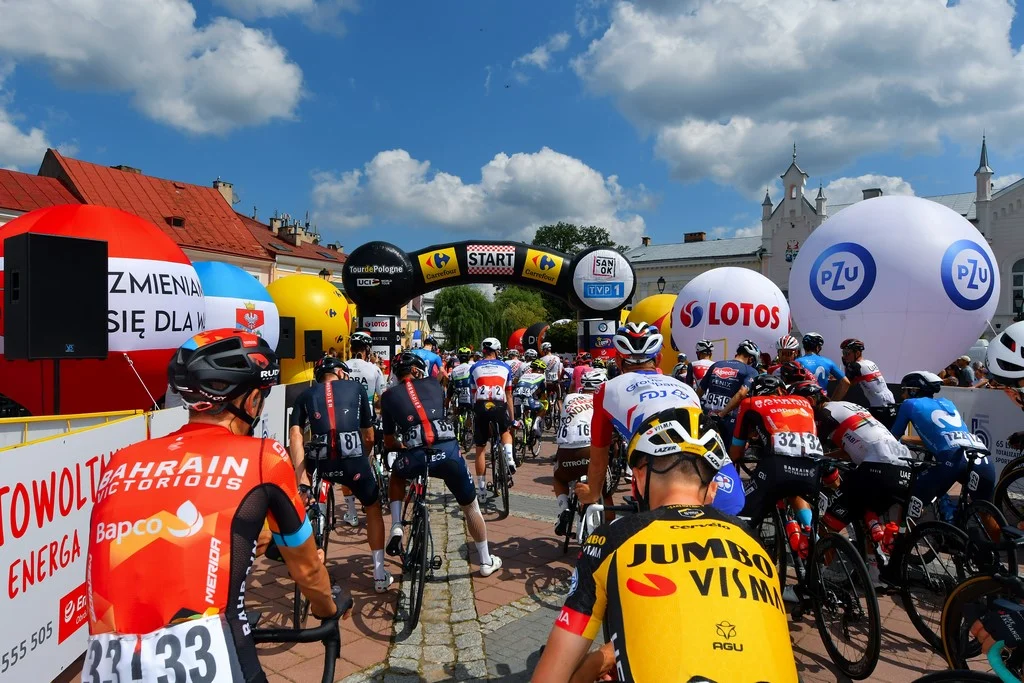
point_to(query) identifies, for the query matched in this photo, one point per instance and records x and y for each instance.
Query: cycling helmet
(584, 358)
(813, 340)
(491, 344)
(217, 366)
(794, 373)
(599, 364)
(852, 345)
(431, 341)
(513, 353)
(531, 354)
(593, 379)
(329, 364)
(749, 348)
(1005, 358)
(681, 357)
(546, 346)
(921, 383)
(638, 342)
(766, 385)
(538, 365)
(477, 354)
(408, 362)
(465, 350)
(809, 390)
(787, 343)
(360, 340)
(681, 432)
(705, 346)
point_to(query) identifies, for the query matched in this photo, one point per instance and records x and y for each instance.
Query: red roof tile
(210, 222)
(24, 192)
(276, 246)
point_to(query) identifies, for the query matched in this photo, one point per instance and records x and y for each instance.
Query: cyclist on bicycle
(682, 368)
(553, 373)
(460, 385)
(695, 373)
(573, 439)
(200, 496)
(1004, 362)
(513, 361)
(726, 383)
(341, 420)
(868, 377)
(492, 381)
(786, 349)
(583, 366)
(653, 578)
(529, 356)
(530, 394)
(821, 367)
(414, 410)
(942, 430)
(370, 376)
(435, 367)
(793, 373)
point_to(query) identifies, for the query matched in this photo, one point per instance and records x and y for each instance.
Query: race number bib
(796, 444)
(487, 392)
(524, 391)
(464, 395)
(715, 402)
(962, 440)
(108, 658)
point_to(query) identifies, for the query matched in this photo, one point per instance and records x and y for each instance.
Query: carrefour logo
(542, 266)
(842, 276)
(691, 314)
(438, 260)
(546, 262)
(967, 275)
(439, 264)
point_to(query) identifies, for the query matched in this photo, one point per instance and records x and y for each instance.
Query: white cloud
(725, 88)
(19, 146)
(540, 56)
(1006, 180)
(726, 232)
(206, 79)
(487, 80)
(319, 15)
(515, 194)
(587, 19)
(850, 190)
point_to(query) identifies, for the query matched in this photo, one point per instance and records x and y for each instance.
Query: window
(792, 191)
(279, 247)
(176, 221)
(1017, 276)
(327, 254)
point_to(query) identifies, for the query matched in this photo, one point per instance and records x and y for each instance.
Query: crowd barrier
(49, 472)
(992, 415)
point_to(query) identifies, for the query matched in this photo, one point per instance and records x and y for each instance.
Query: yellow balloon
(657, 310)
(623, 316)
(316, 305)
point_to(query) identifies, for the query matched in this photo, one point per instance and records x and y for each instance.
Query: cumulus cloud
(1006, 180)
(587, 17)
(319, 15)
(724, 88)
(540, 56)
(20, 146)
(726, 232)
(201, 79)
(850, 190)
(515, 195)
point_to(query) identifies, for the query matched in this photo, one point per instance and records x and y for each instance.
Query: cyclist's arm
(600, 442)
(296, 445)
(899, 425)
(387, 428)
(739, 440)
(561, 658)
(366, 416)
(595, 665)
(735, 400)
(509, 403)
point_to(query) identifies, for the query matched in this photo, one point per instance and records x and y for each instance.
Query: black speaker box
(55, 297)
(314, 345)
(286, 341)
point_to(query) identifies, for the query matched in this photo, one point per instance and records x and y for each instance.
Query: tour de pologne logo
(842, 276)
(691, 314)
(967, 275)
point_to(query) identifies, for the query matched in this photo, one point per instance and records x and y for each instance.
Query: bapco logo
(438, 260)
(691, 314)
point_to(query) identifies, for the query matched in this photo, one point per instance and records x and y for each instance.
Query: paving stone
(468, 640)
(471, 653)
(464, 615)
(438, 653)
(401, 678)
(465, 627)
(441, 638)
(441, 627)
(474, 670)
(405, 651)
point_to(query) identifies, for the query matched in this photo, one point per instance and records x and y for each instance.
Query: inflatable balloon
(912, 279)
(534, 336)
(155, 304)
(316, 305)
(657, 310)
(728, 305)
(515, 340)
(234, 298)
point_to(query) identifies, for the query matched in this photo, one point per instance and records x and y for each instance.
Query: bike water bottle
(946, 508)
(875, 528)
(797, 541)
(891, 529)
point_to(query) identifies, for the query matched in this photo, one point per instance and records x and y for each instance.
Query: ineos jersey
(491, 378)
(369, 375)
(415, 409)
(869, 377)
(577, 414)
(781, 425)
(698, 369)
(172, 538)
(622, 403)
(341, 406)
(722, 381)
(850, 427)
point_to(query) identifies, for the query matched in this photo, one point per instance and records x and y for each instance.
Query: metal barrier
(19, 431)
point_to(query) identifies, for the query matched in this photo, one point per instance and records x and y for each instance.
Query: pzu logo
(842, 276)
(967, 275)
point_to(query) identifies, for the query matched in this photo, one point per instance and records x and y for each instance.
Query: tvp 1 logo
(691, 314)
(842, 276)
(967, 275)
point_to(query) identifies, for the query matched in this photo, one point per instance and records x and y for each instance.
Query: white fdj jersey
(491, 378)
(869, 377)
(865, 439)
(554, 369)
(625, 401)
(367, 374)
(577, 412)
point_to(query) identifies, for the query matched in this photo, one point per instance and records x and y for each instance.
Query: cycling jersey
(462, 384)
(851, 427)
(490, 380)
(554, 369)
(577, 375)
(369, 375)
(513, 364)
(722, 381)
(528, 388)
(415, 409)
(822, 368)
(172, 538)
(780, 425)
(690, 584)
(866, 374)
(433, 360)
(577, 413)
(937, 422)
(622, 403)
(341, 407)
(697, 370)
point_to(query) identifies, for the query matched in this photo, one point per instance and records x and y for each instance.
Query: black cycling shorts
(871, 486)
(484, 413)
(354, 472)
(777, 477)
(443, 461)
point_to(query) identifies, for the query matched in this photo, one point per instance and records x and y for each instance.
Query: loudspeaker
(55, 297)
(314, 345)
(286, 341)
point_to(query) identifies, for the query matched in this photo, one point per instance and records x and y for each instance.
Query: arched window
(1017, 277)
(792, 191)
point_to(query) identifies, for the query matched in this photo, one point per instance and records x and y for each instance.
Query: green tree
(562, 338)
(516, 307)
(571, 238)
(464, 314)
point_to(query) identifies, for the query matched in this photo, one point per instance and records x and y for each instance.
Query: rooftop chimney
(694, 237)
(225, 190)
(128, 169)
(872, 192)
(275, 225)
(645, 241)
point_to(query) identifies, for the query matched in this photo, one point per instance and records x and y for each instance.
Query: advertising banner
(992, 416)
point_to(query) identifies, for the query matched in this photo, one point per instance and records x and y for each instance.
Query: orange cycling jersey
(782, 425)
(172, 538)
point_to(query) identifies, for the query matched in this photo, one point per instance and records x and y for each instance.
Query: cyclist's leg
(986, 479)
(480, 437)
(935, 481)
(357, 473)
(351, 516)
(571, 464)
(759, 493)
(499, 415)
(452, 469)
(408, 465)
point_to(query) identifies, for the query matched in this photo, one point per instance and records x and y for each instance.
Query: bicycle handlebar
(327, 631)
(995, 660)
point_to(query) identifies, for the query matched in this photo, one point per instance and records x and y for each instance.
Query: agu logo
(542, 266)
(439, 264)
(967, 275)
(842, 276)
(691, 314)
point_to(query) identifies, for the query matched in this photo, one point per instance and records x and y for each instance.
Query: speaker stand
(56, 386)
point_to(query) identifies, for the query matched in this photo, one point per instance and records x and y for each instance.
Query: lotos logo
(967, 275)
(691, 314)
(745, 314)
(439, 265)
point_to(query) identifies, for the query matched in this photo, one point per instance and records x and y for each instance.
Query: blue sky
(650, 117)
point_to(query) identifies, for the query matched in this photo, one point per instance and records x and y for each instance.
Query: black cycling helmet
(749, 348)
(217, 366)
(793, 373)
(809, 390)
(766, 385)
(329, 364)
(921, 383)
(431, 341)
(360, 340)
(705, 346)
(407, 362)
(813, 340)
(852, 345)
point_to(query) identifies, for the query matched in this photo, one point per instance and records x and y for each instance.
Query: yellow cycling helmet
(682, 432)
(538, 365)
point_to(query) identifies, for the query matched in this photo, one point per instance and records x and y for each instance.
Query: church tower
(982, 200)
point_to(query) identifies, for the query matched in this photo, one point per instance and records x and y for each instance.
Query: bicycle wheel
(772, 533)
(499, 479)
(300, 604)
(568, 530)
(467, 432)
(329, 519)
(932, 562)
(415, 561)
(1009, 495)
(842, 594)
(988, 561)
(958, 644)
(615, 468)
(959, 677)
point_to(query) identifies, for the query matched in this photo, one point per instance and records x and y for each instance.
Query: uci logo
(842, 276)
(691, 314)
(967, 275)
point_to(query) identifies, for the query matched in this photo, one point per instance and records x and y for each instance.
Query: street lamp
(325, 274)
(661, 285)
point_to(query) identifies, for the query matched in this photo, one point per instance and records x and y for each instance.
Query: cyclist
(530, 394)
(823, 368)
(372, 379)
(695, 373)
(582, 367)
(786, 349)
(573, 438)
(942, 430)
(492, 380)
(653, 578)
(435, 367)
(623, 402)
(201, 495)
(553, 372)
(414, 409)
(460, 385)
(726, 383)
(529, 356)
(340, 420)
(512, 360)
(681, 368)
(868, 377)
(793, 373)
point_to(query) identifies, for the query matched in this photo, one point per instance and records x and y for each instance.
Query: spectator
(949, 375)
(964, 374)
(333, 353)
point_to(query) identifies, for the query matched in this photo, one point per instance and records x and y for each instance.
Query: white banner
(46, 498)
(153, 304)
(992, 416)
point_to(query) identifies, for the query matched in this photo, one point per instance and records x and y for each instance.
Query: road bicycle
(501, 478)
(418, 559)
(328, 633)
(320, 511)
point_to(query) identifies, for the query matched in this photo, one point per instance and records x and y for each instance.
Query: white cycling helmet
(593, 379)
(638, 342)
(491, 344)
(546, 346)
(787, 343)
(705, 346)
(1005, 357)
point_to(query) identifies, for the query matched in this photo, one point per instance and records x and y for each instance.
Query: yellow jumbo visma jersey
(683, 592)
